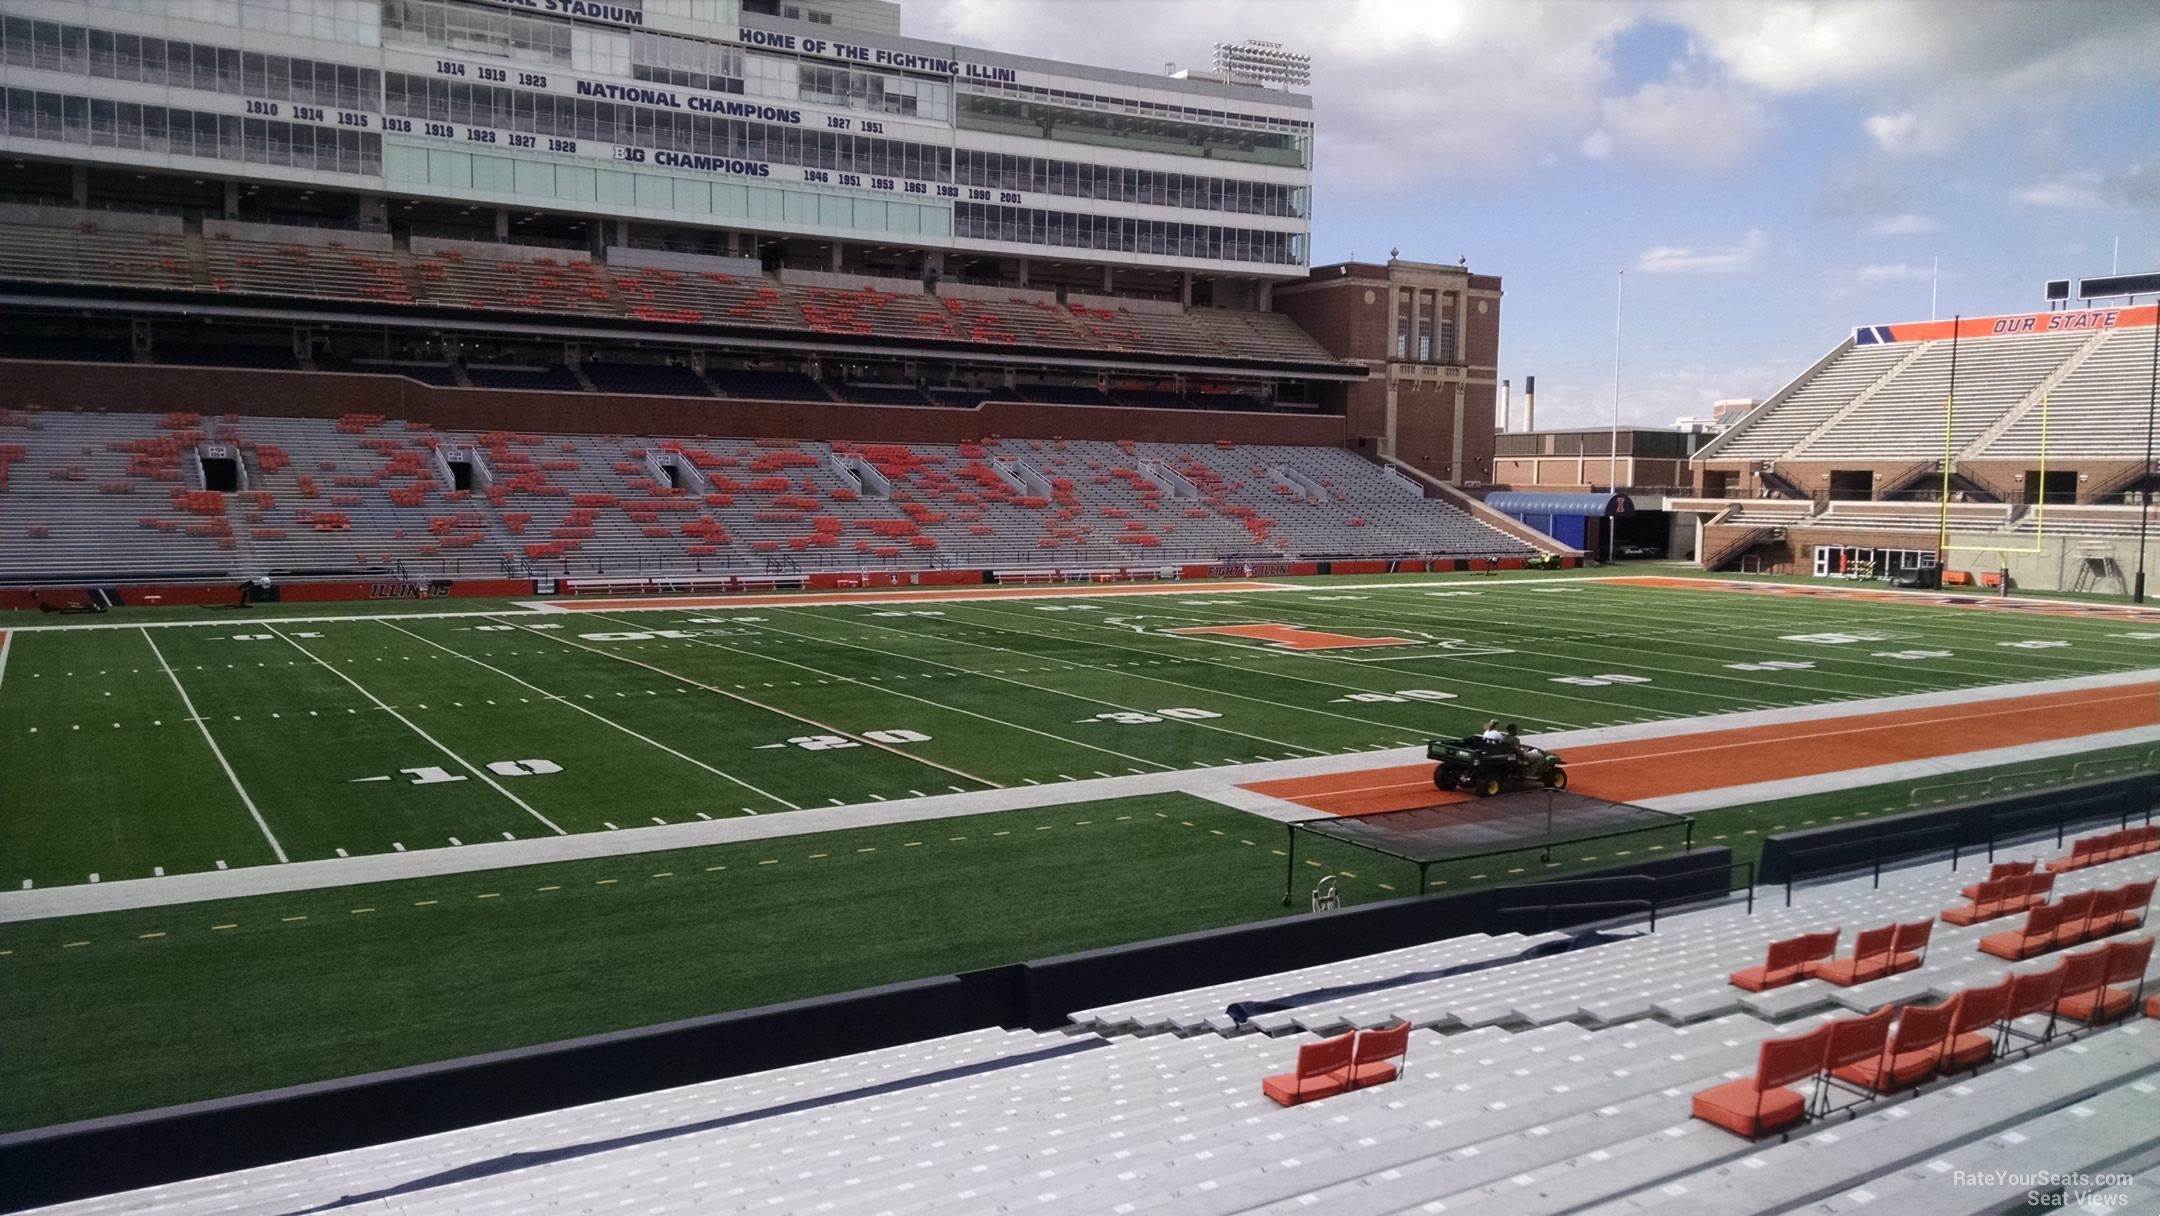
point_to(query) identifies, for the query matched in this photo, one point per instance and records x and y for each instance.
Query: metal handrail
(2062, 816)
(1651, 880)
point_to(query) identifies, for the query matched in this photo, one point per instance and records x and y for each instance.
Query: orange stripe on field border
(1661, 767)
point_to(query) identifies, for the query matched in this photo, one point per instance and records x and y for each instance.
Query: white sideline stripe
(581, 709)
(204, 727)
(7, 639)
(470, 767)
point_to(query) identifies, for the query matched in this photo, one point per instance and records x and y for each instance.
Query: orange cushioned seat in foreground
(1909, 1057)
(2094, 1001)
(1380, 1055)
(1971, 1039)
(1758, 1105)
(1323, 1070)
(2037, 937)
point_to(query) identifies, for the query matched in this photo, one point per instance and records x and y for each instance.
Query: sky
(1762, 175)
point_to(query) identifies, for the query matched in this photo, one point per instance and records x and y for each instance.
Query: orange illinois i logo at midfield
(1294, 637)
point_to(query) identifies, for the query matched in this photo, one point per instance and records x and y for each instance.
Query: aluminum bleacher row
(1562, 1083)
(47, 244)
(125, 493)
(2084, 392)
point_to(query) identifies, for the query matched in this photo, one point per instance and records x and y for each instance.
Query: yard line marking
(984, 781)
(600, 717)
(7, 639)
(894, 692)
(1037, 687)
(1334, 685)
(468, 765)
(204, 727)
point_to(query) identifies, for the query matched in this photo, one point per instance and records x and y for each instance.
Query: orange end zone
(828, 599)
(1706, 760)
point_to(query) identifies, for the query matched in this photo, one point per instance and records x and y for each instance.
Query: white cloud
(1708, 259)
(1597, 145)
(1908, 134)
(1693, 124)
(1904, 224)
(1938, 71)
(1582, 395)
(1868, 276)
(1404, 89)
(2069, 192)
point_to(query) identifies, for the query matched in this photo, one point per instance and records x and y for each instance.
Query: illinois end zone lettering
(1293, 637)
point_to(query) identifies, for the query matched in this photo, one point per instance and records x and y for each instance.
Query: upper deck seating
(549, 282)
(284, 262)
(331, 271)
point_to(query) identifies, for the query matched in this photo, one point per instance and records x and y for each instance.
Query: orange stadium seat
(1758, 1105)
(1910, 1055)
(2120, 963)
(1970, 1041)
(1381, 1055)
(2037, 937)
(1323, 1070)
(1869, 960)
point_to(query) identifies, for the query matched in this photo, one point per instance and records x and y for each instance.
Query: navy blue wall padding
(1246, 1011)
(1531, 502)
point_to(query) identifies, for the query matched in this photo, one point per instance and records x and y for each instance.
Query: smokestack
(1506, 408)
(1529, 403)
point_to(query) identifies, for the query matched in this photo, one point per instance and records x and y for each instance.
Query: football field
(171, 747)
(166, 744)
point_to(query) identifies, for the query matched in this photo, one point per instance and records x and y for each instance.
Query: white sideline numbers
(523, 768)
(433, 775)
(1835, 639)
(1399, 695)
(1128, 717)
(1911, 654)
(1770, 665)
(1600, 681)
(2034, 644)
(834, 743)
(635, 637)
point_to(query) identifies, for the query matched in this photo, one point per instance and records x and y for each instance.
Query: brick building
(1431, 336)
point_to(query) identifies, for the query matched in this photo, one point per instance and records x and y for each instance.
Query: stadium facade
(811, 137)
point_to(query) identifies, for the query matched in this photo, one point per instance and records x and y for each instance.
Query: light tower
(1263, 63)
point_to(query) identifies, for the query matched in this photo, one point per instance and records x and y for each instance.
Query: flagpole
(1619, 311)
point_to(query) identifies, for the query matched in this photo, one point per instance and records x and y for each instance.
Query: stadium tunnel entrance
(1589, 522)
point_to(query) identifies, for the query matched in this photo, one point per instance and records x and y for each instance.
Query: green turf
(128, 1010)
(671, 715)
